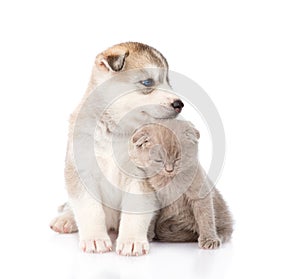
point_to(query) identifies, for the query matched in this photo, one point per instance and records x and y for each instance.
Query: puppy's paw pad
(209, 243)
(96, 245)
(63, 224)
(132, 247)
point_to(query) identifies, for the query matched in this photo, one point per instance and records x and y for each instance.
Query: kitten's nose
(177, 105)
(169, 168)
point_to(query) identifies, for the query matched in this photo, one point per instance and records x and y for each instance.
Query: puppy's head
(142, 73)
(128, 56)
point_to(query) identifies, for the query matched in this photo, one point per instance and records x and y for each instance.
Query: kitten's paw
(96, 245)
(209, 243)
(64, 224)
(131, 247)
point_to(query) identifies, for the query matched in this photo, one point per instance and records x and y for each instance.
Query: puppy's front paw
(209, 243)
(132, 247)
(95, 245)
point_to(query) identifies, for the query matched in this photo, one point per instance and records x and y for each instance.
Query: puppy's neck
(115, 125)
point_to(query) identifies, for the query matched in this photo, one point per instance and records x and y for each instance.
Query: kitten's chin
(170, 175)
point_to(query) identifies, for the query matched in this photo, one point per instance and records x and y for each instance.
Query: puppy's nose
(177, 105)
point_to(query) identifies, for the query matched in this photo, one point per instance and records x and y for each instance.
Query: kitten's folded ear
(141, 138)
(112, 60)
(192, 133)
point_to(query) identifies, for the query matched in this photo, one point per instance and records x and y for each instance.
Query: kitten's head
(165, 149)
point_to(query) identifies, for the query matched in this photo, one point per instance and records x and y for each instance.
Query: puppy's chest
(111, 160)
(108, 166)
(102, 143)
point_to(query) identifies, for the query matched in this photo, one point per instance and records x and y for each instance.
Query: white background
(246, 56)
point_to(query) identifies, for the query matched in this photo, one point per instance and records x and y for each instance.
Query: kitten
(191, 208)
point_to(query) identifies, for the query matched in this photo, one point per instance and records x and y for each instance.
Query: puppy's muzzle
(177, 105)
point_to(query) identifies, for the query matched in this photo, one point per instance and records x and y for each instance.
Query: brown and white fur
(167, 152)
(127, 64)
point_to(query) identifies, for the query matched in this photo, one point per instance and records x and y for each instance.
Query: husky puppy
(129, 81)
(192, 209)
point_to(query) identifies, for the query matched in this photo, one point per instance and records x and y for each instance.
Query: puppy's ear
(141, 138)
(192, 133)
(112, 61)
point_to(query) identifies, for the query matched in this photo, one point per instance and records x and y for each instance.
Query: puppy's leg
(65, 222)
(88, 212)
(204, 215)
(90, 219)
(151, 229)
(133, 229)
(132, 240)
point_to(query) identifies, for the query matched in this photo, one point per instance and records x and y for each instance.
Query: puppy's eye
(148, 82)
(158, 161)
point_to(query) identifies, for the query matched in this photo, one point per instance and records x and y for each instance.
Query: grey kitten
(192, 209)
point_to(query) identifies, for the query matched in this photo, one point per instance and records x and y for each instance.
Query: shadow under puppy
(191, 207)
